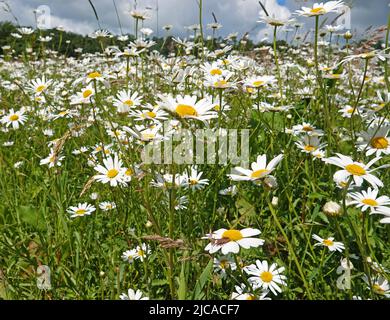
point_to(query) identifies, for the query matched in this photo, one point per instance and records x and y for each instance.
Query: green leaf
(244, 207)
(198, 294)
(159, 282)
(181, 292)
(32, 216)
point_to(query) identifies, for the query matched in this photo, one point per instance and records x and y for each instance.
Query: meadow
(84, 216)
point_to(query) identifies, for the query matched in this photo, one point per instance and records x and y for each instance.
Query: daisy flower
(307, 128)
(112, 171)
(141, 252)
(229, 191)
(133, 295)
(242, 293)
(319, 9)
(375, 141)
(369, 199)
(84, 96)
(260, 169)
(259, 81)
(145, 134)
(94, 76)
(194, 181)
(39, 85)
(154, 114)
(129, 255)
(14, 118)
(274, 21)
(106, 205)
(310, 144)
(231, 240)
(380, 285)
(189, 107)
(125, 101)
(221, 264)
(347, 111)
(219, 82)
(82, 209)
(332, 245)
(266, 277)
(213, 69)
(357, 170)
(52, 159)
(167, 180)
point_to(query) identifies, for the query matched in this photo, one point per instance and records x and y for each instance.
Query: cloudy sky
(235, 15)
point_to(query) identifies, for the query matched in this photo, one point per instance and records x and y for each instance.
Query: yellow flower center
(251, 297)
(258, 83)
(150, 114)
(193, 182)
(370, 202)
(232, 235)
(220, 83)
(128, 103)
(215, 72)
(112, 173)
(81, 211)
(377, 288)
(129, 172)
(350, 110)
(223, 264)
(266, 276)
(148, 136)
(40, 88)
(259, 173)
(309, 148)
(307, 128)
(87, 93)
(14, 117)
(327, 242)
(380, 143)
(355, 170)
(94, 75)
(141, 253)
(184, 110)
(319, 10)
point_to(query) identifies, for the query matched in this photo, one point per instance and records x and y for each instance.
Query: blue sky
(235, 15)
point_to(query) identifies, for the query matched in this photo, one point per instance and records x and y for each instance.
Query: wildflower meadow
(203, 167)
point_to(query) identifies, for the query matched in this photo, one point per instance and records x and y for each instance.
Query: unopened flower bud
(270, 182)
(275, 201)
(148, 224)
(347, 35)
(332, 209)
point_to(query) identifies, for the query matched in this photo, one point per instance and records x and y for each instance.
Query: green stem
(277, 66)
(290, 249)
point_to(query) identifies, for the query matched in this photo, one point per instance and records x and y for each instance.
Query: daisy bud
(148, 224)
(332, 209)
(275, 201)
(270, 182)
(94, 195)
(101, 273)
(347, 35)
